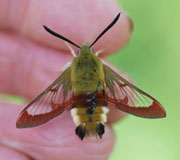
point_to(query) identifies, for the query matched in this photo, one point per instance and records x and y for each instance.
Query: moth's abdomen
(89, 114)
(80, 115)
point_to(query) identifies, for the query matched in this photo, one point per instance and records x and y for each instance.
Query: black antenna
(106, 29)
(59, 36)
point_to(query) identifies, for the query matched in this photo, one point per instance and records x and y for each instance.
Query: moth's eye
(91, 49)
(79, 51)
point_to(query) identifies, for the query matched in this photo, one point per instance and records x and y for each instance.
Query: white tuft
(105, 109)
(74, 112)
(103, 118)
(75, 117)
(76, 120)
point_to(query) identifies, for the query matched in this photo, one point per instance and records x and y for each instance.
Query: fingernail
(131, 23)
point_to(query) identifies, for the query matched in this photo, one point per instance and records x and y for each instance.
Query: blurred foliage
(14, 99)
(152, 60)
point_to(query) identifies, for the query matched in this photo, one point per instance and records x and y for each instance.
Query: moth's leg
(99, 52)
(70, 48)
(68, 64)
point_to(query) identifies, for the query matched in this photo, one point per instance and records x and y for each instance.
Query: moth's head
(84, 48)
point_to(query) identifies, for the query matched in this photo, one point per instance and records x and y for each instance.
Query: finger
(27, 69)
(8, 153)
(81, 23)
(53, 140)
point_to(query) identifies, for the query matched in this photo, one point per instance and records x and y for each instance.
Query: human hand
(28, 57)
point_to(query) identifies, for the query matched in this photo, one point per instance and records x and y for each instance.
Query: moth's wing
(128, 98)
(49, 104)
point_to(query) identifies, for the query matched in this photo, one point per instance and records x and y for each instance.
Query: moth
(88, 87)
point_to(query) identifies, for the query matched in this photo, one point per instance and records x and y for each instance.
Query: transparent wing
(128, 98)
(49, 104)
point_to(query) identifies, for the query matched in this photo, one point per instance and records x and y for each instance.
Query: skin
(29, 56)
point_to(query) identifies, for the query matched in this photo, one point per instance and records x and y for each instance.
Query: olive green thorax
(87, 73)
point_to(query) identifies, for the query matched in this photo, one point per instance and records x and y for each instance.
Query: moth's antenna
(106, 29)
(59, 36)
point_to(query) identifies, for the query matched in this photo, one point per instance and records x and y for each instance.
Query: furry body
(87, 78)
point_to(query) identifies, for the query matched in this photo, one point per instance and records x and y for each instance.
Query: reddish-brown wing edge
(155, 110)
(24, 119)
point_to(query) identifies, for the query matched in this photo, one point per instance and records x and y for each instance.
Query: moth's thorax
(86, 72)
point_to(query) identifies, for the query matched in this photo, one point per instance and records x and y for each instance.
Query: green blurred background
(152, 59)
